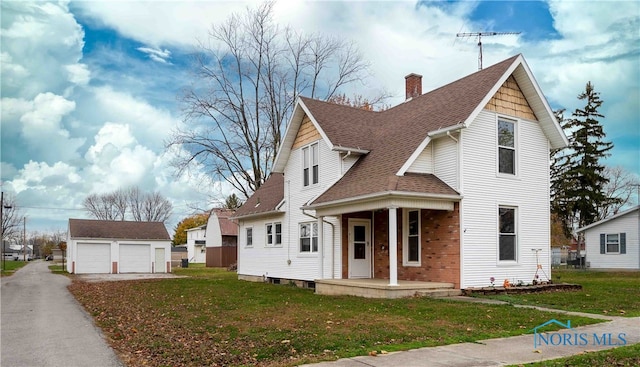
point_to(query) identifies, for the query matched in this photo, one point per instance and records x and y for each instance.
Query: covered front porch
(380, 288)
(393, 248)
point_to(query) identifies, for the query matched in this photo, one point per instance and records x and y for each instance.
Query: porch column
(393, 246)
(320, 248)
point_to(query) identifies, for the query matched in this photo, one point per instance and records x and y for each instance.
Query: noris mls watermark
(571, 338)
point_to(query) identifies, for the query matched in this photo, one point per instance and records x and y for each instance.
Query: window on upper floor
(506, 146)
(309, 237)
(411, 237)
(274, 234)
(508, 241)
(310, 173)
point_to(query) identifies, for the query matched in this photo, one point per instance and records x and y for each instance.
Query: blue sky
(90, 89)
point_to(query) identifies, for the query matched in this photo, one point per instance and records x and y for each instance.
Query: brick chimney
(413, 85)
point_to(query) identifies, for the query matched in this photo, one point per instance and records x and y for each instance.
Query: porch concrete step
(439, 293)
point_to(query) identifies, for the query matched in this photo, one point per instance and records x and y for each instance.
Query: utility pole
(479, 35)
(24, 238)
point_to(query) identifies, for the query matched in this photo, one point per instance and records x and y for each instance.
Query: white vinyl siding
(424, 162)
(485, 191)
(286, 261)
(445, 160)
(629, 224)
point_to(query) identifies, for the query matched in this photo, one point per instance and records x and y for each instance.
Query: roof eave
(257, 215)
(605, 220)
(382, 195)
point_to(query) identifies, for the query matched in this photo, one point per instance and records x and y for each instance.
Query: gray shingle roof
(91, 228)
(390, 136)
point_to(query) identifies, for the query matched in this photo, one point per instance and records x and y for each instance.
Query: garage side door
(93, 258)
(135, 258)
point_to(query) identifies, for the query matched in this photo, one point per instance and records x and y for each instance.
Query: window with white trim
(310, 172)
(411, 237)
(249, 236)
(613, 243)
(508, 241)
(506, 146)
(274, 234)
(309, 237)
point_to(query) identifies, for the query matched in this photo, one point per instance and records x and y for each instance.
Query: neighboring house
(196, 244)
(222, 239)
(111, 247)
(450, 186)
(612, 243)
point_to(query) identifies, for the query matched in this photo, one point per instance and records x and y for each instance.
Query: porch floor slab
(380, 288)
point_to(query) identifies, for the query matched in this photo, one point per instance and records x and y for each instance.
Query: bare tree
(116, 205)
(101, 207)
(247, 79)
(119, 198)
(156, 208)
(620, 188)
(135, 198)
(11, 217)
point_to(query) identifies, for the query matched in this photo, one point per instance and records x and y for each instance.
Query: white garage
(135, 258)
(94, 258)
(106, 247)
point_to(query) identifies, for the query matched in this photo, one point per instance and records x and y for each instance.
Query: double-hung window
(506, 147)
(411, 238)
(308, 237)
(274, 234)
(613, 243)
(508, 241)
(310, 173)
(249, 236)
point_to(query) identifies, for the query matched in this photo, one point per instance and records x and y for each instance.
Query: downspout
(333, 239)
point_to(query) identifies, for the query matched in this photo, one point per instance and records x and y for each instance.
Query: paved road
(43, 325)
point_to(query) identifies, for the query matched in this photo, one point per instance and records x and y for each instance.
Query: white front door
(359, 248)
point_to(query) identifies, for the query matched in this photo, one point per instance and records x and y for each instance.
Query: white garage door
(135, 259)
(93, 258)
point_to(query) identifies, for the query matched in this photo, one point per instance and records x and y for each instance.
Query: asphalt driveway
(43, 325)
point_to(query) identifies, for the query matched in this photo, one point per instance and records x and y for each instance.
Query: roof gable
(613, 217)
(90, 228)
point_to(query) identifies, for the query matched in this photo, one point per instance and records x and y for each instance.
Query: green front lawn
(212, 318)
(611, 293)
(622, 356)
(9, 266)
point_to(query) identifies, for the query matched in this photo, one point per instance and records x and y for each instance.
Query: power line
(479, 35)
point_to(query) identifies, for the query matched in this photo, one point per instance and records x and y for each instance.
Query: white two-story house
(450, 186)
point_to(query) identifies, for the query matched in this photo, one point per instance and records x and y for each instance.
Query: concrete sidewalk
(502, 351)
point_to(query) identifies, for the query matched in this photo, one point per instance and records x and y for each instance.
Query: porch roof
(387, 199)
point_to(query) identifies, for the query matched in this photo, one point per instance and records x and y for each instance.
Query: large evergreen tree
(578, 178)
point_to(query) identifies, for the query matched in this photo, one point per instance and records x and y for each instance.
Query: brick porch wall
(440, 247)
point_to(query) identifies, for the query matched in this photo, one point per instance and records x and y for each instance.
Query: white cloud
(43, 131)
(156, 54)
(78, 74)
(41, 39)
(161, 23)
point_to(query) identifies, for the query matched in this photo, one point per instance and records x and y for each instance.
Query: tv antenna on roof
(479, 35)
